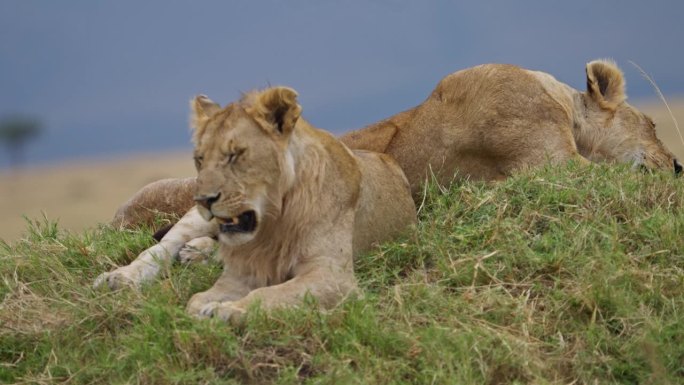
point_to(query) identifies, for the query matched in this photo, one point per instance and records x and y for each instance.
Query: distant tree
(15, 132)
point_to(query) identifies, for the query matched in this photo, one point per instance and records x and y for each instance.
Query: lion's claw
(207, 311)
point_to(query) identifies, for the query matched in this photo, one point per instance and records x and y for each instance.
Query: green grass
(560, 275)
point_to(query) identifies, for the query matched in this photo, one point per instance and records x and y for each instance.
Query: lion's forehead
(225, 135)
(634, 120)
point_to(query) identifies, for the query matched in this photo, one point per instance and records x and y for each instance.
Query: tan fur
(164, 198)
(317, 205)
(488, 121)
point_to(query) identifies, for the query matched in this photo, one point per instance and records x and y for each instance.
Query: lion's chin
(235, 239)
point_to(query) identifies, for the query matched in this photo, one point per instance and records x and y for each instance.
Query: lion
(290, 204)
(489, 121)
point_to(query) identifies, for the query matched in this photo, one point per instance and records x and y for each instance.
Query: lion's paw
(197, 250)
(189, 254)
(225, 311)
(125, 276)
(114, 280)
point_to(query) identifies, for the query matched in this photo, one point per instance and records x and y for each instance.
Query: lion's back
(483, 123)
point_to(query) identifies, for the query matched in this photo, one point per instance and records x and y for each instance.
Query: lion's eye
(198, 161)
(233, 156)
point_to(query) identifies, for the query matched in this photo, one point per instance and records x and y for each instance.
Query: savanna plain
(560, 275)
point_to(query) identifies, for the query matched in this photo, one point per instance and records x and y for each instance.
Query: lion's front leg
(143, 269)
(329, 287)
(149, 263)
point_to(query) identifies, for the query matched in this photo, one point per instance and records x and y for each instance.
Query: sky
(110, 78)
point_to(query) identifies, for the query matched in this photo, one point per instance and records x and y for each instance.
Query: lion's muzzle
(206, 200)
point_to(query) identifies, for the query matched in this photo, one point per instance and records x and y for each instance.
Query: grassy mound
(560, 275)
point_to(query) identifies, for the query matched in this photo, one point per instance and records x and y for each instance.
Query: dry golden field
(82, 194)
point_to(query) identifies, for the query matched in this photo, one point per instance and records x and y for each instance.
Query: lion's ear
(278, 107)
(605, 84)
(202, 109)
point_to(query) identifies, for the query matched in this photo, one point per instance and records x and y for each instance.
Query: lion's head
(242, 159)
(624, 133)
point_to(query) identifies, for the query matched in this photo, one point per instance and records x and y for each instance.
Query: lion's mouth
(243, 223)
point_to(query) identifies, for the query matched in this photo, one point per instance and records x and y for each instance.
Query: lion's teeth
(232, 221)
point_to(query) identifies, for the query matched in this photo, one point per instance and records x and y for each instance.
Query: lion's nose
(207, 200)
(677, 167)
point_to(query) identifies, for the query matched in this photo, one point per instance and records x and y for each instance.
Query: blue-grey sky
(115, 77)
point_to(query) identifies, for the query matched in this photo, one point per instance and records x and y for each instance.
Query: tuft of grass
(558, 275)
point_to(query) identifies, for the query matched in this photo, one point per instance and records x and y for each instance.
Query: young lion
(484, 123)
(291, 206)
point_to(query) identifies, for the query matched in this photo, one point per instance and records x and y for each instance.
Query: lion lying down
(489, 121)
(290, 204)
(485, 123)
